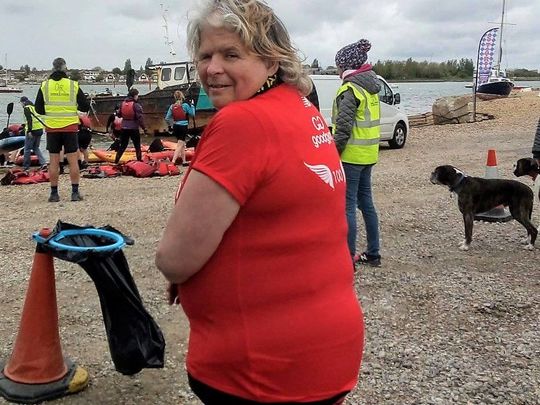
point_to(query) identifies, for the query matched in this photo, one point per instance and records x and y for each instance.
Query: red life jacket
(178, 112)
(138, 169)
(165, 168)
(15, 129)
(128, 109)
(117, 123)
(102, 171)
(20, 177)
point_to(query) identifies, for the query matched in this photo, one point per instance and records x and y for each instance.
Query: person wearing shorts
(84, 137)
(59, 99)
(178, 117)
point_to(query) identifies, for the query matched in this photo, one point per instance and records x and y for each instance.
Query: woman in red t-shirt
(255, 249)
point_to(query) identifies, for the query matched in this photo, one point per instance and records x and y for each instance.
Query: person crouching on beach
(178, 117)
(58, 100)
(255, 249)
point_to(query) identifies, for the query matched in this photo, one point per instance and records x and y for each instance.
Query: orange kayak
(110, 156)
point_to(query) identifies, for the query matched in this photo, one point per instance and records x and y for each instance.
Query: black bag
(156, 146)
(135, 340)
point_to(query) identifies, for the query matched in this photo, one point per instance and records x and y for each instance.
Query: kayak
(172, 146)
(93, 158)
(110, 156)
(11, 143)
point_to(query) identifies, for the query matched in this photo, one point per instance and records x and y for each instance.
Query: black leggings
(211, 396)
(125, 136)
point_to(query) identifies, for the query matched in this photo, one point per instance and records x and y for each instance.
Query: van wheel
(400, 135)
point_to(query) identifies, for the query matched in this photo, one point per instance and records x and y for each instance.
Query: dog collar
(456, 187)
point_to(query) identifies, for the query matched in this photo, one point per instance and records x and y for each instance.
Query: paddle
(9, 111)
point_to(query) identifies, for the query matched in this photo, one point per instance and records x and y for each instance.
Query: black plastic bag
(135, 339)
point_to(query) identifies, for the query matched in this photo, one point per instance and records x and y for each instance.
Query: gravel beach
(443, 326)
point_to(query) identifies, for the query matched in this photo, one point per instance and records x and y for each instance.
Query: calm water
(416, 97)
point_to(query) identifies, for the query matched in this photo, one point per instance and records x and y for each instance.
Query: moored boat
(171, 77)
(7, 89)
(491, 79)
(497, 84)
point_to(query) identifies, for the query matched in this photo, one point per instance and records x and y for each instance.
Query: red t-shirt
(273, 313)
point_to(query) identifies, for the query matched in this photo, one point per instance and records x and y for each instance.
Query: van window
(385, 94)
(179, 72)
(166, 74)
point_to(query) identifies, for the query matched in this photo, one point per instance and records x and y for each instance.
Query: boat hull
(155, 105)
(502, 88)
(10, 90)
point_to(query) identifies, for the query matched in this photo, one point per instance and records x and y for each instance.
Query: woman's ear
(272, 68)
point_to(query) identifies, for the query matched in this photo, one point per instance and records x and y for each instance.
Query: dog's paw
(463, 246)
(529, 247)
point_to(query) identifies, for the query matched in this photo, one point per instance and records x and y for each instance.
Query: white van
(394, 123)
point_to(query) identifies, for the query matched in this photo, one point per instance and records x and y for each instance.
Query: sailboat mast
(168, 42)
(499, 57)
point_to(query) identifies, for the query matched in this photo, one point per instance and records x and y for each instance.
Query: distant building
(89, 75)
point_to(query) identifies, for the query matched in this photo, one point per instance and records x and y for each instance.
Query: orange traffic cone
(37, 370)
(491, 165)
(499, 213)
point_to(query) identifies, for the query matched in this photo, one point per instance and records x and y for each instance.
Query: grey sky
(107, 32)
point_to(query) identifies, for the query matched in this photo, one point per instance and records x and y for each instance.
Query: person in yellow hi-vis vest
(60, 100)
(34, 131)
(356, 130)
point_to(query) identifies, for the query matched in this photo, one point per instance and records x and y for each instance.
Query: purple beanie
(24, 100)
(353, 56)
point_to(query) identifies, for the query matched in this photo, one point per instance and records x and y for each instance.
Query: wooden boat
(171, 77)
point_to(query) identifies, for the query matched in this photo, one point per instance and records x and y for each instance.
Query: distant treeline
(449, 70)
(413, 70)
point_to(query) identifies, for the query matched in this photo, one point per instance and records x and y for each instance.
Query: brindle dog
(477, 195)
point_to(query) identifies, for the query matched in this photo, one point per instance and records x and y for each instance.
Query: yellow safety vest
(35, 119)
(60, 98)
(363, 145)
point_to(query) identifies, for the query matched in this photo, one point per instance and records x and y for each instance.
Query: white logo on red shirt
(320, 139)
(323, 172)
(318, 123)
(306, 102)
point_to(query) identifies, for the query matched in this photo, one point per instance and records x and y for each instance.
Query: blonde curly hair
(259, 29)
